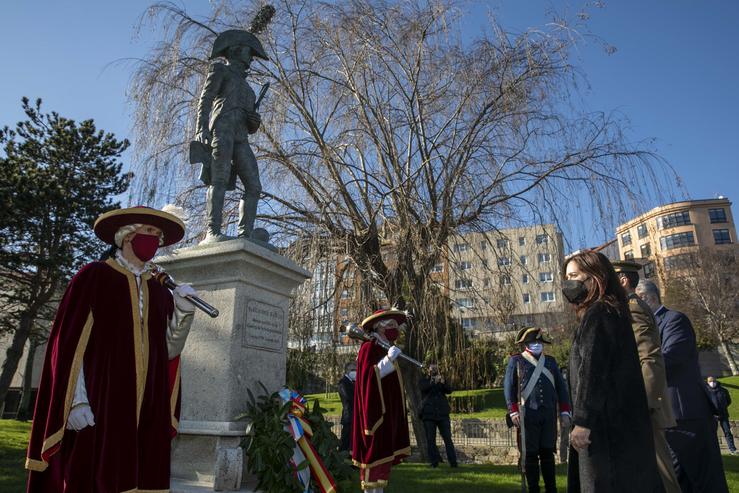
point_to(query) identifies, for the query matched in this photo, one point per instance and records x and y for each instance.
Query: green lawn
(407, 478)
(732, 385)
(493, 403)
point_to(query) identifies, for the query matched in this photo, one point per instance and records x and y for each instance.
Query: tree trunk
(24, 408)
(729, 357)
(411, 379)
(13, 355)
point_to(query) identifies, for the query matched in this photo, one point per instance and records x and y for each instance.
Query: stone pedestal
(224, 356)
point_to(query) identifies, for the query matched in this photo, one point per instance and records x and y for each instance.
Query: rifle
(521, 429)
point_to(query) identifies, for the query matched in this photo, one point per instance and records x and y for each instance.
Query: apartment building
(506, 277)
(667, 238)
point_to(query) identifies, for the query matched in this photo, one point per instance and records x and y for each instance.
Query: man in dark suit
(435, 414)
(693, 441)
(346, 394)
(542, 392)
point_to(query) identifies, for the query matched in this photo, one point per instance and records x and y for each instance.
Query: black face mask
(574, 291)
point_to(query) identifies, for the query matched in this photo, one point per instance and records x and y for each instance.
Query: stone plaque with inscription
(264, 326)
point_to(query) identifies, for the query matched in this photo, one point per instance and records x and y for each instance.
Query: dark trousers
(726, 427)
(445, 429)
(541, 435)
(345, 442)
(697, 457)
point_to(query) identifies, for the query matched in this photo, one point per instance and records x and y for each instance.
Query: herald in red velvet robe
(380, 428)
(132, 387)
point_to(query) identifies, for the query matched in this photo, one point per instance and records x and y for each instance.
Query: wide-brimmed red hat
(108, 224)
(398, 315)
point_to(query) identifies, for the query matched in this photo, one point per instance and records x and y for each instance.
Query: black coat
(608, 397)
(346, 394)
(721, 400)
(435, 404)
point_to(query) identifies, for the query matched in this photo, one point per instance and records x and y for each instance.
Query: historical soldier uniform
(227, 114)
(652, 364)
(542, 389)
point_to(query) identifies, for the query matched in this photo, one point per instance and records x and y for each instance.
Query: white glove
(80, 417)
(394, 352)
(179, 297)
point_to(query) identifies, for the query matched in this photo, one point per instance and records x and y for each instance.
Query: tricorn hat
(625, 266)
(237, 37)
(398, 315)
(530, 334)
(108, 224)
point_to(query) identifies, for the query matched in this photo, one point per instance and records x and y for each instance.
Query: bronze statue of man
(227, 114)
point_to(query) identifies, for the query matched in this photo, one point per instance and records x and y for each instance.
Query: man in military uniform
(227, 114)
(542, 389)
(653, 371)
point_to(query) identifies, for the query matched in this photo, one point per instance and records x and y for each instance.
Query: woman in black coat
(612, 449)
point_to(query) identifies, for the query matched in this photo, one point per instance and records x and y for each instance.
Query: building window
(461, 247)
(626, 239)
(466, 302)
(682, 261)
(547, 296)
(504, 261)
(483, 245)
(523, 259)
(521, 241)
(628, 255)
(717, 215)
(468, 323)
(677, 240)
(526, 298)
(545, 277)
(505, 280)
(345, 294)
(486, 282)
(649, 270)
(502, 243)
(641, 230)
(646, 250)
(465, 265)
(525, 279)
(438, 268)
(485, 264)
(463, 283)
(674, 219)
(721, 236)
(545, 257)
(542, 239)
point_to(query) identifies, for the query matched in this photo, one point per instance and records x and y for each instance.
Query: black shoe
(434, 465)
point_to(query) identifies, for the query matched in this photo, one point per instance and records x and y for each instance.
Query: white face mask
(712, 384)
(352, 375)
(535, 347)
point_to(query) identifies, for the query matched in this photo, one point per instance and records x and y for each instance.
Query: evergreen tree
(56, 177)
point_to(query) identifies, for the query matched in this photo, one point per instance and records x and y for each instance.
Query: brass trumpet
(167, 281)
(355, 332)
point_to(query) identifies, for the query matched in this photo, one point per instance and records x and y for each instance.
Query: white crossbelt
(539, 364)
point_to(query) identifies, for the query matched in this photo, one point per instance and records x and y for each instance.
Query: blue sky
(675, 73)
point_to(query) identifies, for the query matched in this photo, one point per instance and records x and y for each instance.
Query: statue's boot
(247, 214)
(214, 199)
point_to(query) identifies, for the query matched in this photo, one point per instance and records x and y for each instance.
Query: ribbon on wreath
(301, 431)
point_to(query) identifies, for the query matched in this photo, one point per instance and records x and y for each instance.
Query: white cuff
(385, 366)
(80, 390)
(514, 414)
(565, 413)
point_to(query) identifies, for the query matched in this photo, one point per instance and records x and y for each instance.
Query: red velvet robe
(132, 387)
(380, 428)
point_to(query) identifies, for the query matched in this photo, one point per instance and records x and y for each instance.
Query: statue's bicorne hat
(237, 37)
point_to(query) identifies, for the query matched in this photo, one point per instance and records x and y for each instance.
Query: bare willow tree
(390, 129)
